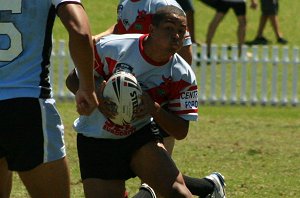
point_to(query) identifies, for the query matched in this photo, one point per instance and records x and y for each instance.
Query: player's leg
(275, 25)
(94, 188)
(275, 22)
(153, 165)
(5, 179)
(241, 31)
(261, 26)
(198, 186)
(104, 166)
(240, 12)
(48, 180)
(169, 143)
(213, 25)
(35, 146)
(188, 7)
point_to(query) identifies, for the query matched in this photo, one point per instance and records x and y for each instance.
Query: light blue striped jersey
(25, 47)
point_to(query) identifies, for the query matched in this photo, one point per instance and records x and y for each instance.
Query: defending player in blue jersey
(31, 131)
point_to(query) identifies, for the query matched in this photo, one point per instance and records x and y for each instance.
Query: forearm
(171, 123)
(80, 43)
(110, 30)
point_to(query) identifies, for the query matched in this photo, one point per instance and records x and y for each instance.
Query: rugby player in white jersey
(31, 131)
(135, 16)
(108, 153)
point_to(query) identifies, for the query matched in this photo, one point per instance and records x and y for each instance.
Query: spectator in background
(269, 10)
(222, 7)
(31, 130)
(188, 7)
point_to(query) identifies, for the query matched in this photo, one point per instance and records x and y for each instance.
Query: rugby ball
(123, 89)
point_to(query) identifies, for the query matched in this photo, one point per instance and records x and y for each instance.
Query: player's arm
(72, 83)
(253, 4)
(110, 30)
(168, 121)
(75, 19)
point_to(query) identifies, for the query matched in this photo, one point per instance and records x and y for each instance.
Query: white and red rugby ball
(123, 89)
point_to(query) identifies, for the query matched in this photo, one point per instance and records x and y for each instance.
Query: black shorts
(186, 5)
(109, 158)
(269, 7)
(239, 8)
(31, 133)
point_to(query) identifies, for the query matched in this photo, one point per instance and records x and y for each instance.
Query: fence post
(244, 61)
(195, 57)
(213, 63)
(224, 61)
(61, 66)
(295, 76)
(275, 61)
(254, 76)
(285, 62)
(265, 61)
(202, 95)
(234, 61)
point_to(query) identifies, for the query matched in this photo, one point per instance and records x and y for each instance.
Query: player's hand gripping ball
(123, 89)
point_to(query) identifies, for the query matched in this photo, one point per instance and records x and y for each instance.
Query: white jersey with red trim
(171, 83)
(135, 16)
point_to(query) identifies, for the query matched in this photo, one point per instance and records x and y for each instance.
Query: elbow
(181, 135)
(181, 130)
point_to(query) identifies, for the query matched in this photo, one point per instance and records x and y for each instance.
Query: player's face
(170, 33)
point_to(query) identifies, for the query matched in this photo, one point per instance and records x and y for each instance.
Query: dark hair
(162, 13)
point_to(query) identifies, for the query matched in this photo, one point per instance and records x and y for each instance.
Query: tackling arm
(110, 30)
(76, 22)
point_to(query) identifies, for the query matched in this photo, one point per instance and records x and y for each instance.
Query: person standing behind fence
(222, 7)
(188, 7)
(269, 10)
(31, 131)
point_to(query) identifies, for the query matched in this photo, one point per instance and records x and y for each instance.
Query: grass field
(256, 148)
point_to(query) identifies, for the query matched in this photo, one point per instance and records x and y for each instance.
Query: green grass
(256, 148)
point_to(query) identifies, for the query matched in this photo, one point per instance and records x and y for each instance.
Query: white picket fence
(261, 75)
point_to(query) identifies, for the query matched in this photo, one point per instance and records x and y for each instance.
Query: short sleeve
(57, 2)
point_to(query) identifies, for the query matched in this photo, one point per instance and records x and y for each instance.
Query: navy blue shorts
(186, 5)
(239, 8)
(31, 133)
(269, 7)
(110, 158)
